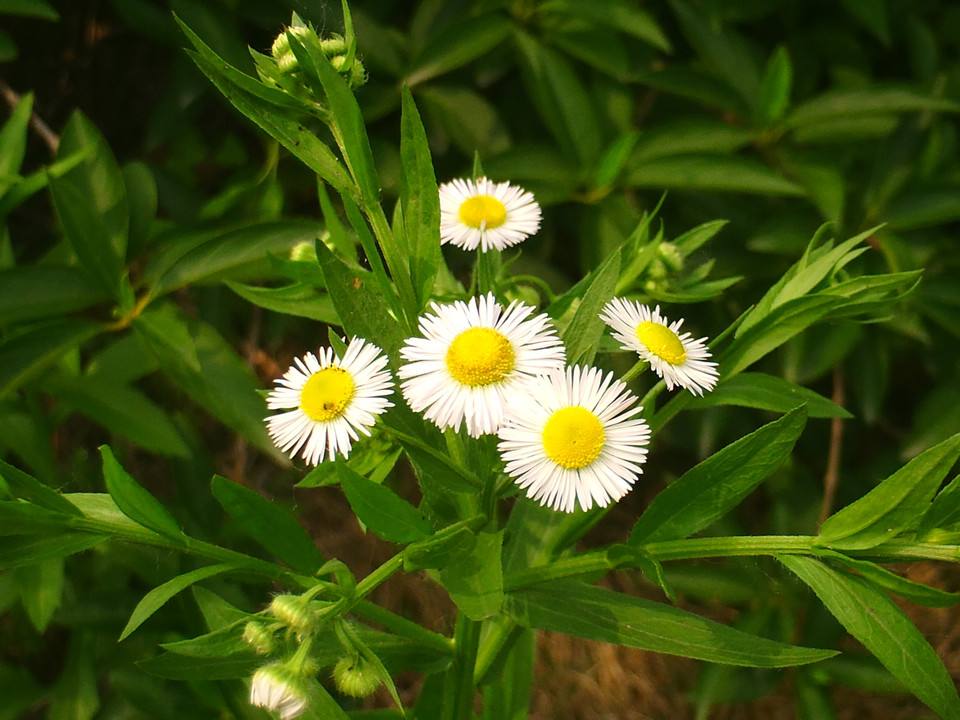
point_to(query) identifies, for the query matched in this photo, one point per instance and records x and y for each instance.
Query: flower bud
(305, 251)
(278, 690)
(283, 53)
(257, 636)
(355, 676)
(671, 256)
(294, 612)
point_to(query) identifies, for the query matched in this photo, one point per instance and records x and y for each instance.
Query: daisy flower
(486, 214)
(473, 359)
(678, 359)
(575, 439)
(328, 400)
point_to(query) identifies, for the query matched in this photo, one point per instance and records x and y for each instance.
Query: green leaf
(182, 667)
(420, 201)
(121, 409)
(135, 502)
(560, 97)
(32, 292)
(363, 311)
(774, 94)
(39, 9)
(582, 335)
(693, 239)
(619, 15)
(299, 299)
(718, 484)
(162, 594)
(507, 696)
(689, 136)
(884, 630)
(721, 49)
(142, 199)
(269, 523)
(439, 550)
(913, 591)
(22, 550)
(88, 234)
(475, 581)
(598, 614)
(382, 510)
(943, 511)
(207, 368)
(458, 45)
(25, 486)
(26, 353)
(41, 589)
(775, 329)
(896, 505)
(725, 173)
(347, 117)
(768, 392)
(13, 141)
(225, 253)
(846, 104)
(286, 130)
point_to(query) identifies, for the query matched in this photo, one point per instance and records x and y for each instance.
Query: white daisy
(575, 439)
(474, 359)
(486, 214)
(275, 689)
(678, 359)
(328, 400)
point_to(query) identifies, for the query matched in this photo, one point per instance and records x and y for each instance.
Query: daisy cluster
(568, 435)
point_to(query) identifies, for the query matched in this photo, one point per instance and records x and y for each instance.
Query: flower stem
(459, 689)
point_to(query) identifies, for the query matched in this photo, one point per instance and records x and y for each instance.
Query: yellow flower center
(483, 211)
(326, 394)
(480, 356)
(662, 342)
(573, 437)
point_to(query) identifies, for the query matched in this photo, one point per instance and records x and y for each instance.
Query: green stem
(502, 633)
(399, 625)
(487, 268)
(378, 576)
(738, 546)
(638, 367)
(459, 692)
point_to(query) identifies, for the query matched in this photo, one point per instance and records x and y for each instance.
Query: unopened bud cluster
(333, 47)
(283, 686)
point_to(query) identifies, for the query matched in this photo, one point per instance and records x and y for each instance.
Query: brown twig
(832, 475)
(43, 131)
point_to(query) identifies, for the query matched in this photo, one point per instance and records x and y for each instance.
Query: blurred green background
(773, 116)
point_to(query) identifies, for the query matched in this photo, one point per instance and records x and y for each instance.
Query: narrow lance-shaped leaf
(599, 614)
(884, 630)
(13, 141)
(718, 484)
(162, 594)
(475, 580)
(420, 200)
(382, 510)
(270, 524)
(896, 505)
(135, 502)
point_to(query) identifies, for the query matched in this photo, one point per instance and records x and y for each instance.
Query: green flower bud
(355, 676)
(294, 612)
(671, 256)
(281, 50)
(257, 636)
(304, 251)
(657, 270)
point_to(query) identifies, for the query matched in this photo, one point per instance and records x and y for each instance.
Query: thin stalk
(399, 625)
(638, 367)
(458, 700)
(487, 268)
(502, 634)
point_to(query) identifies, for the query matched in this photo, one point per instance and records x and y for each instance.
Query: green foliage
(219, 212)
